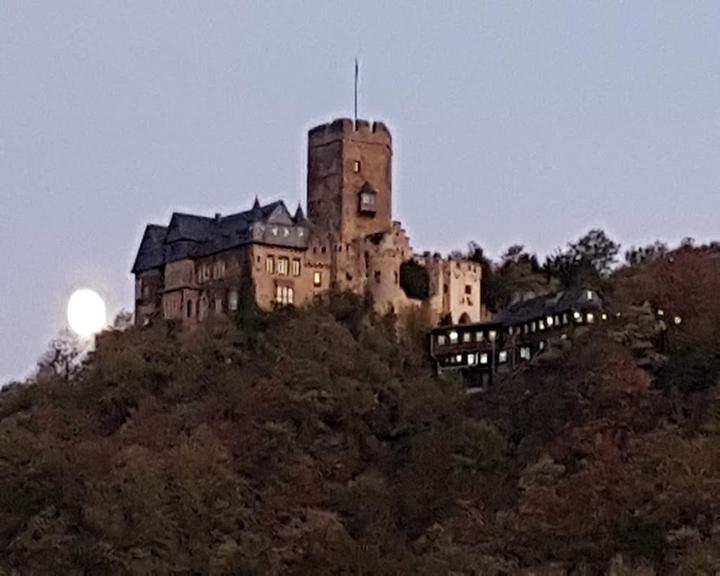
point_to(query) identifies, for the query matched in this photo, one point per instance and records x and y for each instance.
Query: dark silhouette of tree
(64, 357)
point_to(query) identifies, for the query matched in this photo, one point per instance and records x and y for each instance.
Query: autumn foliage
(318, 442)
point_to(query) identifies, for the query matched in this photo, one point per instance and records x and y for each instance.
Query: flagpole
(356, 90)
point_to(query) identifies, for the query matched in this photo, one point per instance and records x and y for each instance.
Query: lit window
(453, 336)
(441, 340)
(467, 336)
(270, 265)
(472, 359)
(565, 319)
(317, 279)
(589, 295)
(502, 357)
(661, 312)
(458, 358)
(541, 345)
(525, 353)
(549, 321)
(296, 267)
(356, 166)
(677, 320)
(533, 327)
(479, 336)
(483, 358)
(492, 335)
(526, 328)
(541, 325)
(233, 300)
(603, 316)
(577, 316)
(282, 266)
(590, 317)
(284, 294)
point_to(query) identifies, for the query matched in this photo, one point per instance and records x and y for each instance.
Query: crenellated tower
(349, 179)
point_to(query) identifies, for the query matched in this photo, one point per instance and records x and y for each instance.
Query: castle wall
(303, 282)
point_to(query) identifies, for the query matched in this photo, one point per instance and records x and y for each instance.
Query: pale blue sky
(513, 122)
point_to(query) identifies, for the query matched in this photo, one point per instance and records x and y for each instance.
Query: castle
(197, 266)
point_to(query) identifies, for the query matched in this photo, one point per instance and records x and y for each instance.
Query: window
(589, 295)
(590, 317)
(377, 276)
(541, 345)
(284, 294)
(296, 267)
(270, 265)
(189, 309)
(218, 305)
(525, 353)
(565, 318)
(317, 279)
(483, 358)
(541, 325)
(282, 266)
(492, 335)
(479, 336)
(356, 166)
(467, 336)
(533, 327)
(453, 337)
(233, 300)
(441, 340)
(549, 321)
(526, 328)
(502, 357)
(468, 289)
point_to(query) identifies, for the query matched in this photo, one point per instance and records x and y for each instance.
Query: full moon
(86, 312)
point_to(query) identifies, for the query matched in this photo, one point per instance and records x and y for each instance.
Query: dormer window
(368, 200)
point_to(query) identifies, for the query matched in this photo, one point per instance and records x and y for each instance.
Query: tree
(64, 357)
(588, 261)
(644, 254)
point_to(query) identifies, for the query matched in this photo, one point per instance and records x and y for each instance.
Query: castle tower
(349, 179)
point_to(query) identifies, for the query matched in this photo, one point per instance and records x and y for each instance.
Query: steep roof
(193, 236)
(577, 298)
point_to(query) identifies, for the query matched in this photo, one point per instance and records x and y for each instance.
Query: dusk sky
(524, 122)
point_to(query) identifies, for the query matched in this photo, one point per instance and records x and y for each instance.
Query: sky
(513, 122)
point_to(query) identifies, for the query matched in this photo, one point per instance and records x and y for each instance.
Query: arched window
(464, 319)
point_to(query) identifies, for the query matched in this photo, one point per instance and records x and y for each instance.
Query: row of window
(282, 266)
(206, 271)
(484, 358)
(454, 337)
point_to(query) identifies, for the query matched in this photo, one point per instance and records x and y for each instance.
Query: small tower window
(356, 166)
(368, 199)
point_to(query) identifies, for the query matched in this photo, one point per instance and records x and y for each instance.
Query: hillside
(317, 442)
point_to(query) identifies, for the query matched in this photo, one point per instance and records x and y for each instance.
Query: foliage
(316, 441)
(414, 280)
(585, 262)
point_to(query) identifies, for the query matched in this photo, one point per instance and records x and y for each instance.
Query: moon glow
(86, 313)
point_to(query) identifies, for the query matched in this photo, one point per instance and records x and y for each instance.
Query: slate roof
(574, 299)
(192, 236)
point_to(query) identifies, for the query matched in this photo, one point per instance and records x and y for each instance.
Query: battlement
(341, 128)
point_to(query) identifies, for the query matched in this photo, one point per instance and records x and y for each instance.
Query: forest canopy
(317, 441)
